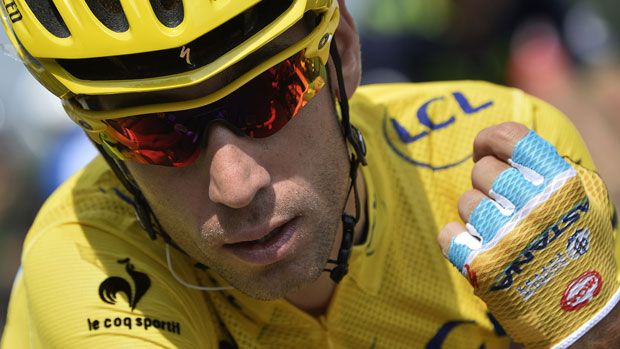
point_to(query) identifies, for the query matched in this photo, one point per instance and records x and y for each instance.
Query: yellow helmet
(101, 47)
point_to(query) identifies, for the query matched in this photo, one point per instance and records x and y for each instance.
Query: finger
(457, 244)
(499, 140)
(486, 219)
(468, 202)
(446, 234)
(485, 171)
(512, 191)
(537, 159)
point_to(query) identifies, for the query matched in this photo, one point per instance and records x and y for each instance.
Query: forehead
(111, 102)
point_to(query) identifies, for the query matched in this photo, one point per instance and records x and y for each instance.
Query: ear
(348, 42)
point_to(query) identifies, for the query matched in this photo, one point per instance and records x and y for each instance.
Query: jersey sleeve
(84, 288)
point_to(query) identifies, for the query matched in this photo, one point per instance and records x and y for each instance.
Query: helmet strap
(144, 213)
(354, 137)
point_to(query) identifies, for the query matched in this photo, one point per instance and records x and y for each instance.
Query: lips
(266, 238)
(262, 248)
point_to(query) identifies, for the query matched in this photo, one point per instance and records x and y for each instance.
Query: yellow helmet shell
(74, 30)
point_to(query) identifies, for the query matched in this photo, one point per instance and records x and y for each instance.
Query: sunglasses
(258, 109)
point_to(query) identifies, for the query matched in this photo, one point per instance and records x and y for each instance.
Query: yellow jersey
(91, 277)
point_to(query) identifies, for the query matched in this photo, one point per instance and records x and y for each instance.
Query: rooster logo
(114, 284)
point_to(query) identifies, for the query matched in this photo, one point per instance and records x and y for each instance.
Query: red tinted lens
(259, 109)
(272, 99)
(167, 139)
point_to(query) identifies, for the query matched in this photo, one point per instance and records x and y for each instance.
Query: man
(220, 139)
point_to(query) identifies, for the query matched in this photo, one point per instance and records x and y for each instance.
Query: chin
(278, 280)
(303, 266)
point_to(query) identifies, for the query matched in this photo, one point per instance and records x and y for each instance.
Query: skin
(238, 183)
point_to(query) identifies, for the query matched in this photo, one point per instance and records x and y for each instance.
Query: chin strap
(144, 213)
(341, 268)
(354, 137)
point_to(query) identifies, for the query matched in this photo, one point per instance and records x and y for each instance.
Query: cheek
(159, 182)
(315, 150)
(171, 192)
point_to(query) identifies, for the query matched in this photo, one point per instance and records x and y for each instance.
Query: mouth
(267, 237)
(269, 248)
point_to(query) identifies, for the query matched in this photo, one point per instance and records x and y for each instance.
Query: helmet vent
(169, 12)
(110, 13)
(47, 13)
(205, 49)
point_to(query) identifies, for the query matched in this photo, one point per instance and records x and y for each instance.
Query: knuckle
(468, 202)
(443, 239)
(484, 164)
(446, 234)
(510, 132)
(480, 139)
(487, 165)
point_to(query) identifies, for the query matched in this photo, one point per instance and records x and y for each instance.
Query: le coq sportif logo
(134, 290)
(111, 286)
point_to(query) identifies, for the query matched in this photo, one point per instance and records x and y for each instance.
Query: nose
(235, 175)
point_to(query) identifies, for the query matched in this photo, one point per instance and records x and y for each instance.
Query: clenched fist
(538, 243)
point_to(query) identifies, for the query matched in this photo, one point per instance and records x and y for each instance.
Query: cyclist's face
(263, 213)
(292, 184)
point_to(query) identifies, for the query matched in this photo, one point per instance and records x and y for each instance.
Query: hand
(538, 246)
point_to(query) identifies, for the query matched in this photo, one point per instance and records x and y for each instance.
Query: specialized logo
(578, 244)
(581, 291)
(185, 53)
(430, 122)
(114, 284)
(539, 244)
(13, 11)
